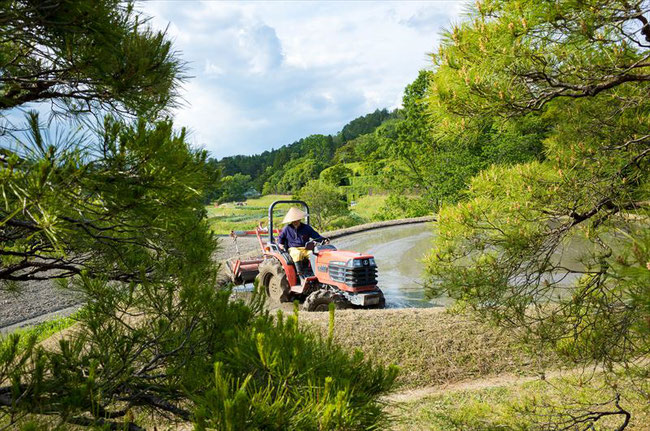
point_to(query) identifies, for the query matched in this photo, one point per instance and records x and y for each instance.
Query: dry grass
(526, 406)
(432, 347)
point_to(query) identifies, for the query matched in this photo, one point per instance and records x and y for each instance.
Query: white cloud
(212, 69)
(269, 73)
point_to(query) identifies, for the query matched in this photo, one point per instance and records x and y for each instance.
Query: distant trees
(288, 168)
(575, 74)
(325, 201)
(233, 188)
(364, 125)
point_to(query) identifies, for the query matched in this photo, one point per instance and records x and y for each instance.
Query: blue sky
(268, 73)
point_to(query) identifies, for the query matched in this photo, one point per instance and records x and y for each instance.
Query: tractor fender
(287, 265)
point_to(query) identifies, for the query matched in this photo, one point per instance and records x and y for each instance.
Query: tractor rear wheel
(321, 299)
(273, 280)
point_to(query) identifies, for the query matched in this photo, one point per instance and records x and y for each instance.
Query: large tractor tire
(273, 280)
(321, 299)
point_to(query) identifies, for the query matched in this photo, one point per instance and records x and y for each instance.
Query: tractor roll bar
(303, 203)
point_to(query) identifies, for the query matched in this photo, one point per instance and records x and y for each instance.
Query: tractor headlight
(359, 263)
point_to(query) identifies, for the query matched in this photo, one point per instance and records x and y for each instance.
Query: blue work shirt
(292, 237)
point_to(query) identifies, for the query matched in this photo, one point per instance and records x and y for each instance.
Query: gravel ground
(247, 245)
(37, 298)
(33, 299)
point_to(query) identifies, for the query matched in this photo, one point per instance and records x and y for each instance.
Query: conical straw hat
(294, 214)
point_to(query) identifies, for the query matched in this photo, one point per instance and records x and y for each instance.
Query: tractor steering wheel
(311, 244)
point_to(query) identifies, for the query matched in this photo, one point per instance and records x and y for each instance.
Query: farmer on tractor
(341, 277)
(295, 236)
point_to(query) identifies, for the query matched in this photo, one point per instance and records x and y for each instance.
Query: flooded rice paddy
(399, 252)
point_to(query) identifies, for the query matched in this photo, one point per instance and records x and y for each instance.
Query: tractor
(345, 278)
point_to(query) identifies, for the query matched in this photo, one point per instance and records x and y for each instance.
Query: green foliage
(119, 204)
(369, 207)
(557, 246)
(299, 175)
(213, 189)
(358, 149)
(399, 206)
(83, 56)
(117, 211)
(267, 372)
(293, 176)
(432, 163)
(337, 175)
(318, 147)
(365, 125)
(282, 378)
(325, 203)
(234, 188)
(289, 167)
(351, 219)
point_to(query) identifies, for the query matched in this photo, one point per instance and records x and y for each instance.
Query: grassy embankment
(228, 216)
(459, 374)
(43, 330)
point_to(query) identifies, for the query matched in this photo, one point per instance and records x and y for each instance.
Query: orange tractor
(346, 278)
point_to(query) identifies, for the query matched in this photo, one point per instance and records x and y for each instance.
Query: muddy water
(398, 251)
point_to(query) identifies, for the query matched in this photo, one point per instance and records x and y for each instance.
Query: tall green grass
(41, 331)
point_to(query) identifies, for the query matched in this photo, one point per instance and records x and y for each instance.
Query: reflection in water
(399, 252)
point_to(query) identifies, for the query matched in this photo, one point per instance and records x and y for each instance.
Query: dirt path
(471, 385)
(502, 380)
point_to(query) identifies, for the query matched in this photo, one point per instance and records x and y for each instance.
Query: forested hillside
(290, 167)
(406, 154)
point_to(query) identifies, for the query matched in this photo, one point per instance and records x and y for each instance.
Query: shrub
(277, 376)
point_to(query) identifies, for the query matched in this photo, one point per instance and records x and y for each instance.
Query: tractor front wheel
(321, 299)
(273, 280)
